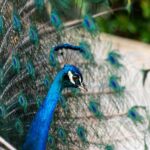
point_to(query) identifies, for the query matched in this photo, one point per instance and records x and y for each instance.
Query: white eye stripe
(70, 75)
(80, 80)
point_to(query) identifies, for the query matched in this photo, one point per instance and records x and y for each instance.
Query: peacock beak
(82, 87)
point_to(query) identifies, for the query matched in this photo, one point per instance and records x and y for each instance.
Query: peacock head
(73, 77)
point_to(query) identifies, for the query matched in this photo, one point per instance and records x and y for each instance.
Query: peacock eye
(75, 78)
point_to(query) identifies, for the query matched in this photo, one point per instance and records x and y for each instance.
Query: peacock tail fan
(37, 37)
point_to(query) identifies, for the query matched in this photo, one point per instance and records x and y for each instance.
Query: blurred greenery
(134, 24)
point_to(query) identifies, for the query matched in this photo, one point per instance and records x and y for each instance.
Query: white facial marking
(80, 80)
(70, 75)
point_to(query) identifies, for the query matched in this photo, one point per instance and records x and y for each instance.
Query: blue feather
(55, 20)
(22, 101)
(51, 141)
(83, 48)
(17, 25)
(38, 101)
(94, 108)
(33, 35)
(82, 133)
(19, 127)
(16, 63)
(114, 85)
(113, 58)
(30, 69)
(134, 115)
(62, 135)
(46, 82)
(89, 24)
(63, 103)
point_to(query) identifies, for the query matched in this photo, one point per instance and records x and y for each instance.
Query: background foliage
(134, 25)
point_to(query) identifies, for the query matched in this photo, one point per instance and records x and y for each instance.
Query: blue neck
(38, 132)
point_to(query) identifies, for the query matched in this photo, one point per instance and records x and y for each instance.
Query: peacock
(46, 46)
(69, 76)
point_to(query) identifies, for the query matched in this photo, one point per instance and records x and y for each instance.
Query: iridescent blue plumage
(114, 85)
(95, 109)
(83, 48)
(33, 35)
(134, 115)
(51, 141)
(82, 133)
(22, 100)
(62, 135)
(37, 139)
(63, 103)
(89, 24)
(86, 51)
(16, 63)
(114, 59)
(46, 81)
(30, 69)
(19, 127)
(55, 20)
(38, 101)
(17, 25)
